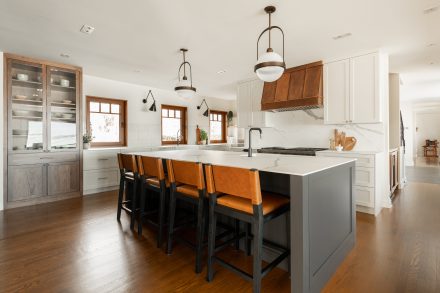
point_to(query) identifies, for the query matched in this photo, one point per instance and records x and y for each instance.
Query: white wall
(307, 129)
(394, 110)
(1, 130)
(144, 127)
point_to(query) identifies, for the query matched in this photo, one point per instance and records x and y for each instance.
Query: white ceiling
(145, 36)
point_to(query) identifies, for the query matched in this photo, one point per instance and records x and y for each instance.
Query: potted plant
(87, 139)
(230, 115)
(204, 136)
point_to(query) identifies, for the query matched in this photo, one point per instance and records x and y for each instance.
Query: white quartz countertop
(284, 164)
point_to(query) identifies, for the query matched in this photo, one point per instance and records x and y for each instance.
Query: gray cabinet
(43, 125)
(26, 182)
(62, 178)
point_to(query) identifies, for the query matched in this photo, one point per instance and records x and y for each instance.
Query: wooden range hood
(299, 88)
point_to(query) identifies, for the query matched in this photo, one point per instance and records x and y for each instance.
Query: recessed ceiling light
(431, 45)
(64, 55)
(221, 71)
(432, 63)
(87, 29)
(430, 10)
(136, 70)
(346, 35)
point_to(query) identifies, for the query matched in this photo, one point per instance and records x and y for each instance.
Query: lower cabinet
(368, 179)
(100, 170)
(36, 178)
(26, 182)
(63, 178)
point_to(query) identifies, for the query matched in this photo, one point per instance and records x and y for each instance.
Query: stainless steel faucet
(178, 137)
(250, 139)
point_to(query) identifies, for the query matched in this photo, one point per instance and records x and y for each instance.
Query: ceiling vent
(87, 29)
(343, 36)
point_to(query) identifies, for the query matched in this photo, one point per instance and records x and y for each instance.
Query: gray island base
(322, 216)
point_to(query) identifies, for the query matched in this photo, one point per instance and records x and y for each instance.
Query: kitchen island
(322, 220)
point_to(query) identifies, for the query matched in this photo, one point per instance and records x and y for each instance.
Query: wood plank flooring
(77, 245)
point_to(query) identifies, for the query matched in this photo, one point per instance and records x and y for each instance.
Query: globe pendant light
(185, 88)
(270, 65)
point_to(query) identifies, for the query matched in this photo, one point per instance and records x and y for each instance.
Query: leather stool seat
(271, 202)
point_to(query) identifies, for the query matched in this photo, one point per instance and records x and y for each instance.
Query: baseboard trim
(98, 190)
(41, 200)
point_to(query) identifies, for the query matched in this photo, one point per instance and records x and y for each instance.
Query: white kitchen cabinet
(249, 112)
(352, 90)
(336, 92)
(364, 89)
(368, 179)
(244, 105)
(100, 170)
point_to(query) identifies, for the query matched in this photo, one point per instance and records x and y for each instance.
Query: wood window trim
(183, 124)
(224, 115)
(123, 121)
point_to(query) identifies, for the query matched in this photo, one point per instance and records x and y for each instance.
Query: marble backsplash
(307, 129)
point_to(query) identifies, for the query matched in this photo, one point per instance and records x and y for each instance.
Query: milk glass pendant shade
(184, 88)
(270, 65)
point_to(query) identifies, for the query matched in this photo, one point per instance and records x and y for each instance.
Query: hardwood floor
(77, 245)
(398, 251)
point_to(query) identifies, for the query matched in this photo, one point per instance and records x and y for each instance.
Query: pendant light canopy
(270, 65)
(185, 87)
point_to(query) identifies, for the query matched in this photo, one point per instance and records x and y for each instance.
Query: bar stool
(236, 193)
(152, 178)
(187, 184)
(127, 185)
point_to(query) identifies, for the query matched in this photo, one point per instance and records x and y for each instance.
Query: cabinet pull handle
(102, 159)
(46, 158)
(102, 178)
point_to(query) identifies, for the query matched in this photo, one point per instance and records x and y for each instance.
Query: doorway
(426, 132)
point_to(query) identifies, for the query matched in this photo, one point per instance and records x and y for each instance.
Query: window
(105, 120)
(173, 123)
(217, 126)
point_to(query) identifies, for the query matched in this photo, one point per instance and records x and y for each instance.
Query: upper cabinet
(298, 88)
(354, 89)
(43, 110)
(249, 105)
(43, 126)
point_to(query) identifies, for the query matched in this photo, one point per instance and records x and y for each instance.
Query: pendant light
(185, 87)
(270, 65)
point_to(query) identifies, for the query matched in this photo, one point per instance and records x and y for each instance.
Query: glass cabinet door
(26, 107)
(62, 97)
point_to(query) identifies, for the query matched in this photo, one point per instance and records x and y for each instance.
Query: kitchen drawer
(100, 160)
(364, 176)
(361, 159)
(364, 196)
(42, 158)
(100, 178)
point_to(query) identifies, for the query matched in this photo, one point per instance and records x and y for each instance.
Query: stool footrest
(274, 263)
(227, 242)
(233, 268)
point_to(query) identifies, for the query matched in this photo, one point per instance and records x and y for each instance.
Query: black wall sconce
(206, 113)
(153, 106)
